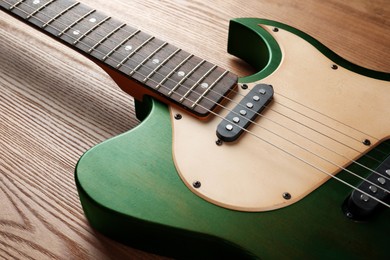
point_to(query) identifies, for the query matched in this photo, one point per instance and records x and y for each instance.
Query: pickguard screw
(286, 196)
(275, 29)
(335, 67)
(244, 86)
(218, 142)
(196, 184)
(367, 142)
(178, 116)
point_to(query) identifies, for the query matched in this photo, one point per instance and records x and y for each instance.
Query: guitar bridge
(365, 200)
(235, 123)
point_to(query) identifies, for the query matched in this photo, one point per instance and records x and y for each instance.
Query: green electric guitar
(291, 162)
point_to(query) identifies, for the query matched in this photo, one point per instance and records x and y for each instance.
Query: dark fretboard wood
(176, 75)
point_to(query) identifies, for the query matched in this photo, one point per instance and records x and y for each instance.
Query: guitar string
(325, 135)
(189, 79)
(289, 129)
(243, 129)
(189, 62)
(284, 138)
(123, 29)
(323, 114)
(108, 22)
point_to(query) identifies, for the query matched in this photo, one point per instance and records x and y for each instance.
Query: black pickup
(233, 125)
(362, 203)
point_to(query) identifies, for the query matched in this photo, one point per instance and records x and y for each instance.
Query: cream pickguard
(315, 126)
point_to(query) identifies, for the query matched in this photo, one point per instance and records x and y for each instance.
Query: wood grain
(55, 104)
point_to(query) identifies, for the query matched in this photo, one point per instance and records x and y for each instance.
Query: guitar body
(133, 187)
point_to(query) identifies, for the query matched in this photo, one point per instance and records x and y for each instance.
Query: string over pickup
(233, 125)
(365, 200)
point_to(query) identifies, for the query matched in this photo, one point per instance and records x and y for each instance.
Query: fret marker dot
(76, 32)
(181, 73)
(155, 61)
(92, 20)
(128, 47)
(204, 85)
(35, 2)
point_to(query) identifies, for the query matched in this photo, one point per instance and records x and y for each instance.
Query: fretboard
(177, 76)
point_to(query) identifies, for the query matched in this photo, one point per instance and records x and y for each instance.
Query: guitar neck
(170, 73)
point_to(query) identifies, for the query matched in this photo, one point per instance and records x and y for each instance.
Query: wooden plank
(55, 104)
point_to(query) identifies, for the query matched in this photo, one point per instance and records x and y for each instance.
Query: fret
(148, 57)
(161, 64)
(120, 44)
(106, 37)
(60, 14)
(40, 8)
(20, 8)
(208, 89)
(197, 83)
(15, 5)
(133, 52)
(91, 29)
(75, 22)
(186, 77)
(172, 71)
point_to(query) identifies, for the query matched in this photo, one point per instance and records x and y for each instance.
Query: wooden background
(55, 104)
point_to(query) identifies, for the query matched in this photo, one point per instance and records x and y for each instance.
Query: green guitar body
(130, 190)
